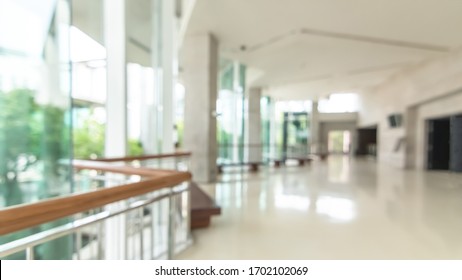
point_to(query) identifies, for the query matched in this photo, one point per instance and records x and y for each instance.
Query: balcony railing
(173, 161)
(118, 212)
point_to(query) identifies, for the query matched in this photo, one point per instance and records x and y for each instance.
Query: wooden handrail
(244, 145)
(145, 157)
(253, 145)
(21, 217)
(122, 169)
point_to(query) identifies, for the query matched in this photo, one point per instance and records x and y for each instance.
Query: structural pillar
(253, 126)
(116, 103)
(316, 146)
(168, 59)
(116, 115)
(159, 108)
(200, 72)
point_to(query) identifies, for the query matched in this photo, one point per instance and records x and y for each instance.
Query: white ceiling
(308, 48)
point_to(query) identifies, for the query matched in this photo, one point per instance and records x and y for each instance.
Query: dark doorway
(367, 141)
(438, 148)
(456, 144)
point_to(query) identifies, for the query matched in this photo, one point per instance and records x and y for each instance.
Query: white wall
(337, 121)
(326, 127)
(340, 117)
(429, 88)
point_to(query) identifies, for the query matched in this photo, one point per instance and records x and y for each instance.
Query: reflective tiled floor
(339, 209)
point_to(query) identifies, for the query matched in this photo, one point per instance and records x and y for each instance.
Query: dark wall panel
(456, 144)
(439, 144)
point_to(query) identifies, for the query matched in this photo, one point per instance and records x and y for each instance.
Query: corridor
(339, 209)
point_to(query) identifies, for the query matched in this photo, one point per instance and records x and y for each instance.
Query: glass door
(295, 135)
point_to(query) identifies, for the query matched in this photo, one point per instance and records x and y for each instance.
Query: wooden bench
(278, 162)
(301, 160)
(254, 166)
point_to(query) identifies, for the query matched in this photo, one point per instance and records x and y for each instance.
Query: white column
(274, 131)
(116, 114)
(200, 70)
(168, 59)
(159, 109)
(153, 109)
(151, 105)
(253, 126)
(315, 142)
(238, 122)
(148, 126)
(116, 104)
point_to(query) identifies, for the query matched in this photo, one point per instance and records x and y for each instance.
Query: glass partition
(291, 129)
(89, 78)
(266, 106)
(231, 112)
(35, 118)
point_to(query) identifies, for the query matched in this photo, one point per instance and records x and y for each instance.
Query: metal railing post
(30, 253)
(141, 229)
(171, 226)
(78, 243)
(100, 240)
(77, 229)
(153, 232)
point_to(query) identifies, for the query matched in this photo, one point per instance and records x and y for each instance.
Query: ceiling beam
(374, 40)
(342, 36)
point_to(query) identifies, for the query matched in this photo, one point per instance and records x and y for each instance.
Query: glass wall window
(35, 118)
(88, 57)
(232, 112)
(140, 87)
(178, 132)
(89, 91)
(291, 129)
(266, 107)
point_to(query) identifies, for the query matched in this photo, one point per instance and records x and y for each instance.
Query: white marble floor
(339, 209)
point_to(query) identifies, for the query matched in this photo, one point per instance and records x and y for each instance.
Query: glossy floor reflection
(339, 209)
